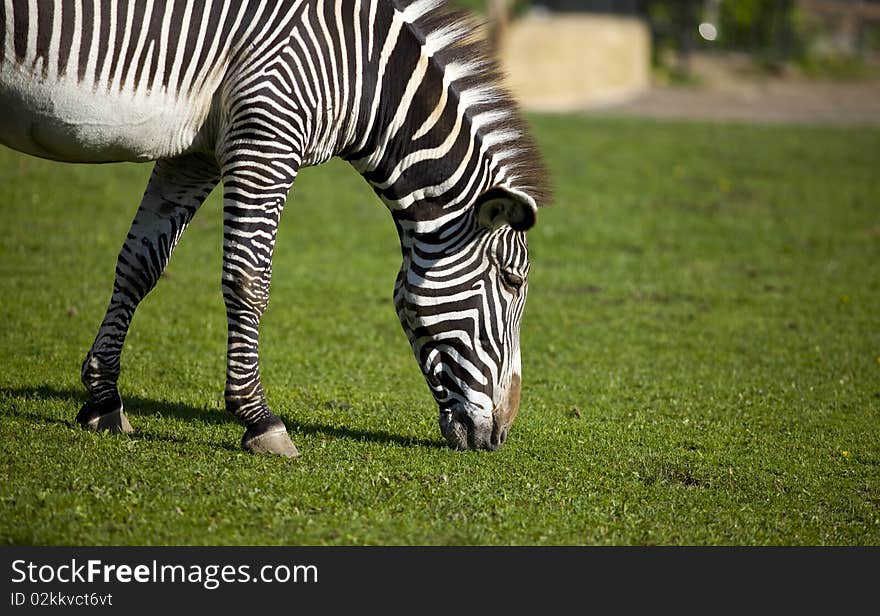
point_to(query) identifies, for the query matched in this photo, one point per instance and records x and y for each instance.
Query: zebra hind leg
(174, 193)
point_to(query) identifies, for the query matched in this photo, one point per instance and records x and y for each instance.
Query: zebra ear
(500, 206)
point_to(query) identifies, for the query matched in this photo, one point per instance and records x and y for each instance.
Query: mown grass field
(701, 352)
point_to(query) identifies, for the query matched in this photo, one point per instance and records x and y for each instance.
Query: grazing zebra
(249, 91)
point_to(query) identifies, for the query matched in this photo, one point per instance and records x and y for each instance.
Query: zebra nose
(499, 435)
(464, 430)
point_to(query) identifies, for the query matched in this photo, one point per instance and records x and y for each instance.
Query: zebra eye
(511, 280)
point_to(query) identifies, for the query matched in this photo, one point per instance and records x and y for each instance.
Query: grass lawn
(701, 352)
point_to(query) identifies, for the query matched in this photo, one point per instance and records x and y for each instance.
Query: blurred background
(773, 60)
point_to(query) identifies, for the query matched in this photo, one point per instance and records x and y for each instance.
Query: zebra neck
(434, 127)
(440, 238)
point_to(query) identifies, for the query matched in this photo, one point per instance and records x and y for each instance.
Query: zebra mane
(455, 38)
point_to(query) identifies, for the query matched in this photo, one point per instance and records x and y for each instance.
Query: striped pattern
(121, 46)
(461, 316)
(252, 90)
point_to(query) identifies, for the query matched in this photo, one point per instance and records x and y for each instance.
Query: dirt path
(836, 104)
(728, 92)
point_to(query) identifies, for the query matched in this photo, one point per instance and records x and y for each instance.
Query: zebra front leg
(252, 208)
(175, 191)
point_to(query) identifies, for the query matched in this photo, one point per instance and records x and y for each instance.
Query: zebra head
(460, 295)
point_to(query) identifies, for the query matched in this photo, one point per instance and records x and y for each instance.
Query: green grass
(701, 353)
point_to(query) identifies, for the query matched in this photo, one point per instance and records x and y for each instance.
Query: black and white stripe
(251, 90)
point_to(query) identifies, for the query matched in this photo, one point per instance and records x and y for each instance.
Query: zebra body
(108, 81)
(250, 91)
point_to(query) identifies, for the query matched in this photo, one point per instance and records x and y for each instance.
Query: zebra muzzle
(469, 429)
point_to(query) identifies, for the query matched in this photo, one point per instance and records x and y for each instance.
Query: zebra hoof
(105, 416)
(269, 435)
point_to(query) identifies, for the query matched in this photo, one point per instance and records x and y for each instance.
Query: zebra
(247, 92)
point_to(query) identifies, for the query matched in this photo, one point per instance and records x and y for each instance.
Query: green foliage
(475, 6)
(701, 358)
(837, 67)
(773, 32)
(756, 24)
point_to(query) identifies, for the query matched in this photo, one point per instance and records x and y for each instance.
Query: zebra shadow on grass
(137, 406)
